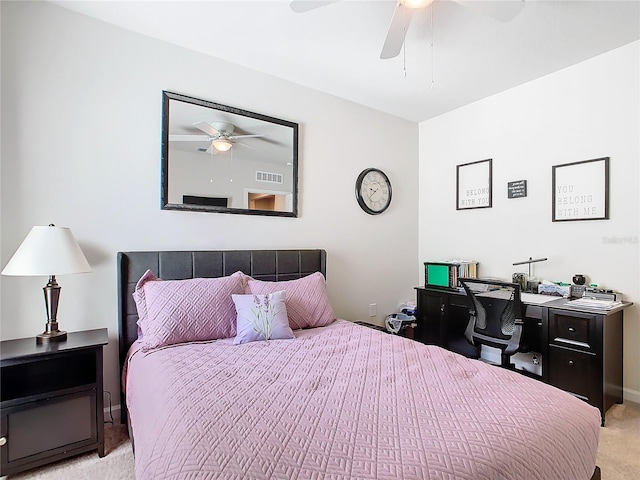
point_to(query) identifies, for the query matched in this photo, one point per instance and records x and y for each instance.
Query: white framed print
(581, 190)
(473, 185)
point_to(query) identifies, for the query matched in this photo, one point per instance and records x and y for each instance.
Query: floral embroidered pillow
(261, 317)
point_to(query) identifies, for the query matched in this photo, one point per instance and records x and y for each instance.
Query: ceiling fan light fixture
(222, 145)
(416, 3)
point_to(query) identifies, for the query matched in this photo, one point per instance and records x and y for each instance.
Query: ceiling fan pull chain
(432, 77)
(404, 61)
(404, 44)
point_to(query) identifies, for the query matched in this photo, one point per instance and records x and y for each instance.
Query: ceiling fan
(500, 10)
(220, 134)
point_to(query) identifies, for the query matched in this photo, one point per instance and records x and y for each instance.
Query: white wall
(81, 118)
(588, 111)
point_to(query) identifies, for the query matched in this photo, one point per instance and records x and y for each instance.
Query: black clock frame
(358, 191)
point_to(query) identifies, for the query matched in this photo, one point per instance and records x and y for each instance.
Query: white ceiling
(336, 48)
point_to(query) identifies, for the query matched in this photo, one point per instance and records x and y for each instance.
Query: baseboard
(631, 395)
(112, 411)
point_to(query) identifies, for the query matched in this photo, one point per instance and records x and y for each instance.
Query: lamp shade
(47, 250)
(222, 145)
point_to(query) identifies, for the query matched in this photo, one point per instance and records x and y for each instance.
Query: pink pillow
(138, 297)
(191, 310)
(245, 281)
(307, 300)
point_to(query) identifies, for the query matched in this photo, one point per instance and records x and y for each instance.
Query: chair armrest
(514, 343)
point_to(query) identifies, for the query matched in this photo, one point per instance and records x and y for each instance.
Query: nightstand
(51, 400)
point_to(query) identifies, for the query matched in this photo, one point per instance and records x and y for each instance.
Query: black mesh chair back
(495, 316)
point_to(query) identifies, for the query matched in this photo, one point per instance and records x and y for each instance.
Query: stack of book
(466, 268)
(445, 274)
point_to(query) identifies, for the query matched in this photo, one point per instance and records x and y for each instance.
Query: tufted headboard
(268, 265)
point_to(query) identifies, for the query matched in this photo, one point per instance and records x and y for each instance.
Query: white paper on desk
(594, 303)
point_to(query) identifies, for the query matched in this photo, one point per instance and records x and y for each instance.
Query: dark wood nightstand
(51, 400)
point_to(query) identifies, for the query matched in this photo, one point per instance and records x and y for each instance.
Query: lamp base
(51, 337)
(51, 333)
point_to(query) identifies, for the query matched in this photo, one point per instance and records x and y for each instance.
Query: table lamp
(48, 251)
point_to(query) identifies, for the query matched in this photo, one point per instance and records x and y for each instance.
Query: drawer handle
(572, 330)
(3, 441)
(571, 363)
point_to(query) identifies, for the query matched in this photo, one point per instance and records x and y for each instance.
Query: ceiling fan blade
(189, 138)
(397, 31)
(244, 145)
(207, 128)
(233, 137)
(502, 10)
(301, 6)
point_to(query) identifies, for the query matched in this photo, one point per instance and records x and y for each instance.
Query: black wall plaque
(517, 189)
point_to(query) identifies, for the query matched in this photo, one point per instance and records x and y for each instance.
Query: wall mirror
(217, 158)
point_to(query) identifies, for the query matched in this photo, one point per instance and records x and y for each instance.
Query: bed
(334, 400)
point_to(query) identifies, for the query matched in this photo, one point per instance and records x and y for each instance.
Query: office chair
(496, 315)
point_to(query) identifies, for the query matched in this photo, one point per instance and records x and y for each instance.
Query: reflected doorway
(267, 200)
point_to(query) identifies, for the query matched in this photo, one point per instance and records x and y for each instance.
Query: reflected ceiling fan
(220, 134)
(500, 10)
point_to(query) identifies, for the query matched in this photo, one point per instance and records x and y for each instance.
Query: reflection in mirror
(217, 158)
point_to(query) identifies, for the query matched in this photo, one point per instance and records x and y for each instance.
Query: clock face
(373, 191)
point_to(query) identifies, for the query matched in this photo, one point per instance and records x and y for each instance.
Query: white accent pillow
(261, 317)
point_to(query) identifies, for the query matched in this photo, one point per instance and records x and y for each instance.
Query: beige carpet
(619, 447)
(117, 464)
(618, 453)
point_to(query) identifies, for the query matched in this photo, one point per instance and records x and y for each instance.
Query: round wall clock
(373, 191)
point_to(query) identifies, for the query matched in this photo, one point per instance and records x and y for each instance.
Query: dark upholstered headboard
(268, 265)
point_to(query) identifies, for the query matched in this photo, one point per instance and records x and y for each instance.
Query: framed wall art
(581, 190)
(473, 185)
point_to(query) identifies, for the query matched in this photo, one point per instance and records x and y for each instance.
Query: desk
(581, 349)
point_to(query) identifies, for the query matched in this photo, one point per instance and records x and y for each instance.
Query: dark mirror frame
(164, 200)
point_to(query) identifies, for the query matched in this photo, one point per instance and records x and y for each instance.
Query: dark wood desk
(581, 350)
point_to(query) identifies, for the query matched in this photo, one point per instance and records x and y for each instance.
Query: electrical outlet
(373, 310)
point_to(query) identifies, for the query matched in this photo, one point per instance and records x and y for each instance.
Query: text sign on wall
(581, 190)
(517, 189)
(473, 185)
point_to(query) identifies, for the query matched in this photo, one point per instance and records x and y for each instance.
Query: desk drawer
(572, 329)
(575, 372)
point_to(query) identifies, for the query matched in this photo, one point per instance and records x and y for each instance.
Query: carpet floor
(618, 453)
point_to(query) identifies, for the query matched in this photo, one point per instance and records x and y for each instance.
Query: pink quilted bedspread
(349, 402)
